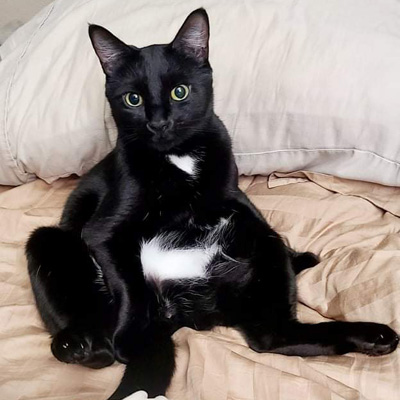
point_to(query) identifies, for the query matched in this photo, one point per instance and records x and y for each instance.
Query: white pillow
(312, 85)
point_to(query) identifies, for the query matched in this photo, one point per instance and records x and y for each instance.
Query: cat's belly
(178, 255)
(186, 267)
(160, 261)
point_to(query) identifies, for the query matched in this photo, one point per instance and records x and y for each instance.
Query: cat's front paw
(375, 339)
(82, 348)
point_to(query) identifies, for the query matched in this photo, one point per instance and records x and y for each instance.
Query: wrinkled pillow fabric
(300, 85)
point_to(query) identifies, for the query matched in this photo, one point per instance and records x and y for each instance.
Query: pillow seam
(260, 153)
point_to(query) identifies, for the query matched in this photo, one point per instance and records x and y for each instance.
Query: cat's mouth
(163, 143)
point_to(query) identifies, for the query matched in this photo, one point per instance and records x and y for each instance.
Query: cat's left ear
(192, 38)
(110, 50)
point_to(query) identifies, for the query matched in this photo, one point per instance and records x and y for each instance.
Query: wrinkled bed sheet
(353, 226)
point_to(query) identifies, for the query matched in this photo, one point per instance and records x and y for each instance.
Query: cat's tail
(302, 261)
(150, 368)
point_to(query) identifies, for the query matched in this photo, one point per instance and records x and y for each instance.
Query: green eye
(180, 93)
(133, 99)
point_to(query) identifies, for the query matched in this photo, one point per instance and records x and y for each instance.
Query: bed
(318, 94)
(354, 227)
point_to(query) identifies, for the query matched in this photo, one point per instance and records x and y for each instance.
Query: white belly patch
(161, 262)
(163, 258)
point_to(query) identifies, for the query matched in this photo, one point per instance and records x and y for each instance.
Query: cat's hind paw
(79, 348)
(376, 339)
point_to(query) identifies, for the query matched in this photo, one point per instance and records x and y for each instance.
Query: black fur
(87, 275)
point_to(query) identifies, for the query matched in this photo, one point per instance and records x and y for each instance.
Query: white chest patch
(161, 262)
(185, 163)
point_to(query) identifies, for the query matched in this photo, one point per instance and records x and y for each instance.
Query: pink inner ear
(195, 37)
(108, 53)
(201, 52)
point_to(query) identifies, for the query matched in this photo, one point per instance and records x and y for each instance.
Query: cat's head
(160, 94)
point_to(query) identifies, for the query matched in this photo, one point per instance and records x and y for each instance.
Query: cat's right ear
(110, 50)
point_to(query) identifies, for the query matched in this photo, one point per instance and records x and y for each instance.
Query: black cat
(158, 235)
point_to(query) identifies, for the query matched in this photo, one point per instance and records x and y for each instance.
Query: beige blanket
(353, 226)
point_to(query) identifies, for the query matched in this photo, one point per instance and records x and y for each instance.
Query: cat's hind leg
(268, 316)
(327, 338)
(71, 297)
(265, 309)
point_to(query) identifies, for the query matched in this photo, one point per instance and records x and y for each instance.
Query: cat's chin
(164, 145)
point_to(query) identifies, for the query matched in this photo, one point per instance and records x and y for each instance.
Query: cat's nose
(159, 126)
